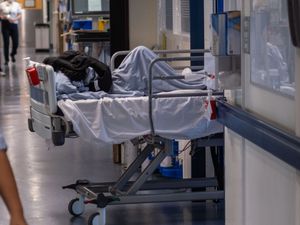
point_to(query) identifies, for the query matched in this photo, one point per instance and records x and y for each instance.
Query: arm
(1, 13)
(11, 20)
(9, 192)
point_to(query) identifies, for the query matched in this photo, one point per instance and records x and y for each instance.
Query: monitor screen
(81, 7)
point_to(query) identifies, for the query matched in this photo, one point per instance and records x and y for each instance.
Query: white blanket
(123, 113)
(131, 79)
(114, 120)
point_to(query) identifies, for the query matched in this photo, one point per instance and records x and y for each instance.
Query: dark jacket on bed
(74, 64)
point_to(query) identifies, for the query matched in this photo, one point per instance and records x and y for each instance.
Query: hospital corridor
(138, 112)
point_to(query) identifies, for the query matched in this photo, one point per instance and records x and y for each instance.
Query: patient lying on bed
(129, 79)
(121, 114)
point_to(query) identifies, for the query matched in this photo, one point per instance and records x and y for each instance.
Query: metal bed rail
(44, 119)
(174, 76)
(181, 51)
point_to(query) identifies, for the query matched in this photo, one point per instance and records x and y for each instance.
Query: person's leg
(15, 41)
(9, 191)
(134, 69)
(1, 71)
(5, 34)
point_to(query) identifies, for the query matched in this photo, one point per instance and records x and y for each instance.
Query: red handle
(211, 107)
(33, 76)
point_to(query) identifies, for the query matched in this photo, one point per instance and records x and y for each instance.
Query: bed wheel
(58, 138)
(75, 207)
(30, 125)
(94, 219)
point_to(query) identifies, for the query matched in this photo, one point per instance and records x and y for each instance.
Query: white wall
(260, 188)
(234, 179)
(297, 97)
(270, 189)
(142, 23)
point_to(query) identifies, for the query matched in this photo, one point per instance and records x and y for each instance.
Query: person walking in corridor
(10, 14)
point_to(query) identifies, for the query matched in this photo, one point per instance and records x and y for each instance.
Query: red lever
(210, 106)
(213, 109)
(33, 76)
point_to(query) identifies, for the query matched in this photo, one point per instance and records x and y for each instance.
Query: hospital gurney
(48, 121)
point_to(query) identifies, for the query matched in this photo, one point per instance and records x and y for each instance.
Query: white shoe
(2, 73)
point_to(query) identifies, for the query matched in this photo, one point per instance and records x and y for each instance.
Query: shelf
(89, 35)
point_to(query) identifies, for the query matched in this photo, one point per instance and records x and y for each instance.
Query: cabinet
(42, 37)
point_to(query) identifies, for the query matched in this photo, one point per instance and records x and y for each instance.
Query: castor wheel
(94, 219)
(30, 125)
(76, 207)
(98, 218)
(58, 138)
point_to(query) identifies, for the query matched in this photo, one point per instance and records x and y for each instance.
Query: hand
(11, 20)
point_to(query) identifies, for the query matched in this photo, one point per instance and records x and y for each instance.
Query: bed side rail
(43, 104)
(43, 95)
(199, 57)
(159, 52)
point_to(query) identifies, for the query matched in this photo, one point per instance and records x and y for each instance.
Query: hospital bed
(152, 120)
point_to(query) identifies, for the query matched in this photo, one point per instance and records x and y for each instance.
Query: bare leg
(9, 192)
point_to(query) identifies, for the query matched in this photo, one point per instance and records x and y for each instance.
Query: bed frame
(46, 120)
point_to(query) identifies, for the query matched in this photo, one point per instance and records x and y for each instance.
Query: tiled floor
(41, 169)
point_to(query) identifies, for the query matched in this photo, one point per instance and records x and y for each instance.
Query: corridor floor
(42, 169)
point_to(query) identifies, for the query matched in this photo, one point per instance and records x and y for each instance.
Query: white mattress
(115, 120)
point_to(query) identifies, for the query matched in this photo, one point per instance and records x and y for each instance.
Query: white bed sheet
(115, 120)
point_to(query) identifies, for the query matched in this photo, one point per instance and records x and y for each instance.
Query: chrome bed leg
(123, 180)
(148, 171)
